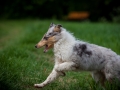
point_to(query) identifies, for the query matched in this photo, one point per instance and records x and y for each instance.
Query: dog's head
(51, 37)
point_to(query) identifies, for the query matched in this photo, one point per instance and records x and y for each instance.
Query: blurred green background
(59, 9)
(22, 25)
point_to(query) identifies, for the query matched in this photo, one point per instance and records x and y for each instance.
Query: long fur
(75, 55)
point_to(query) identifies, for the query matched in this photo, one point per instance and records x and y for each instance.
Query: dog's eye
(46, 38)
(50, 33)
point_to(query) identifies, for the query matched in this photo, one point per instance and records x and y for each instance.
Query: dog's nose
(35, 46)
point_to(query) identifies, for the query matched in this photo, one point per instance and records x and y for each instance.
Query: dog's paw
(38, 85)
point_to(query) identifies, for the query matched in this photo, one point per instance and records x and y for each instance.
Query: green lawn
(21, 65)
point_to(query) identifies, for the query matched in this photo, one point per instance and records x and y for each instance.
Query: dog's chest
(63, 53)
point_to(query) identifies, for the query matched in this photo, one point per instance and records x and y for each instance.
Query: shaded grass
(21, 65)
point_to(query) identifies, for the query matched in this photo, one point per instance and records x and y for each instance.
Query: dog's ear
(52, 24)
(57, 28)
(59, 25)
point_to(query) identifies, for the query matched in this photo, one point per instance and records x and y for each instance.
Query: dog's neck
(62, 48)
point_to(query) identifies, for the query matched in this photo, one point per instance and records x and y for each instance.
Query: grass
(21, 65)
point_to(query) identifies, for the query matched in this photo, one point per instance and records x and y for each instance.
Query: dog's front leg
(66, 66)
(53, 75)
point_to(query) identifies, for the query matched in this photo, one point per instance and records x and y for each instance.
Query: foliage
(16, 9)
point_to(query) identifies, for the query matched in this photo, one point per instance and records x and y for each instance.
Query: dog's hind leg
(53, 75)
(99, 76)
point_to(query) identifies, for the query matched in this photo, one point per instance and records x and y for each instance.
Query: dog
(76, 55)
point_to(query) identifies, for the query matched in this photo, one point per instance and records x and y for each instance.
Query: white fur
(64, 51)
